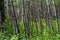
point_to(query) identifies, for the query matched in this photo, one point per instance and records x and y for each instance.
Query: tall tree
(24, 16)
(13, 17)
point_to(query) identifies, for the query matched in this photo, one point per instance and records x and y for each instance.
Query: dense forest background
(29, 19)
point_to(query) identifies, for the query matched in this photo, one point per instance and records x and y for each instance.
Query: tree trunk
(13, 17)
(2, 14)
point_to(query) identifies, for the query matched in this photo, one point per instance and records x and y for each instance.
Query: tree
(2, 14)
(13, 17)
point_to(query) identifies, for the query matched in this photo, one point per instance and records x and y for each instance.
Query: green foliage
(45, 34)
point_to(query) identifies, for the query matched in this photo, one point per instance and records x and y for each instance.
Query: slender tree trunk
(0, 23)
(12, 13)
(24, 12)
(56, 14)
(29, 20)
(45, 12)
(2, 14)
